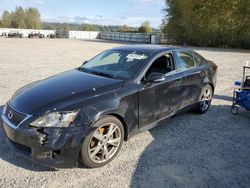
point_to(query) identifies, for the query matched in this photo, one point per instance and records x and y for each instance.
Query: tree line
(20, 18)
(214, 23)
(144, 28)
(30, 19)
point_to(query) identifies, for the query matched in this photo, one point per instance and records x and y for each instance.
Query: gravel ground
(210, 150)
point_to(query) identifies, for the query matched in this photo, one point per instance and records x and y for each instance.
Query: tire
(205, 100)
(234, 109)
(103, 144)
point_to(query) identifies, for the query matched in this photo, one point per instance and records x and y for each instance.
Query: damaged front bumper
(53, 147)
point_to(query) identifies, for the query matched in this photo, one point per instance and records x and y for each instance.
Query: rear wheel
(205, 100)
(103, 143)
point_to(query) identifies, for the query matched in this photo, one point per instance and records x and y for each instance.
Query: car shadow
(189, 150)
(223, 97)
(6, 154)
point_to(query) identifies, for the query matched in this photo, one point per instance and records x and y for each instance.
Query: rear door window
(186, 60)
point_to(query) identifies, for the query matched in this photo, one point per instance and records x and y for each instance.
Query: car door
(160, 100)
(193, 76)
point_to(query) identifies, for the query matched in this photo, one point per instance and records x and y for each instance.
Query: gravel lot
(211, 150)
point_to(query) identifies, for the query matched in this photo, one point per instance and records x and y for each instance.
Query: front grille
(13, 116)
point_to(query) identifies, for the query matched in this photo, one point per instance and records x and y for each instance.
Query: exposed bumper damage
(53, 147)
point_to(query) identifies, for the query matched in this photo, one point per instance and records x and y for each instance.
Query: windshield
(115, 63)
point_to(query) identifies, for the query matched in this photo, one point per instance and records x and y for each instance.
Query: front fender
(122, 104)
(91, 113)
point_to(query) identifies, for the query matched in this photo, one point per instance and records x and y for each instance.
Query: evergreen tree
(6, 20)
(32, 18)
(18, 18)
(208, 22)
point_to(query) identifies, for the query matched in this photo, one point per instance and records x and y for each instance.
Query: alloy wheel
(206, 99)
(104, 143)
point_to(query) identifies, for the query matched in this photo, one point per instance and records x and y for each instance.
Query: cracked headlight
(55, 119)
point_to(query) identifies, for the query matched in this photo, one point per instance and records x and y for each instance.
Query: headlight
(55, 119)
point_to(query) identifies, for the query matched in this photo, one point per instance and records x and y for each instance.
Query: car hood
(56, 92)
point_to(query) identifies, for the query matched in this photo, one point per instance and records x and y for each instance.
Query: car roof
(149, 49)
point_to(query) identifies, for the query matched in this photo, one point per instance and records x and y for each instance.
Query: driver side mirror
(155, 77)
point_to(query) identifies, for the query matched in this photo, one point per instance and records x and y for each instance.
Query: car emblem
(10, 114)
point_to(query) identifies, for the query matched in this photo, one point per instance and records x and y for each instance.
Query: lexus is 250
(85, 114)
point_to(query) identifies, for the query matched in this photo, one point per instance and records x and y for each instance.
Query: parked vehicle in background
(52, 36)
(4, 35)
(36, 35)
(85, 114)
(15, 35)
(62, 34)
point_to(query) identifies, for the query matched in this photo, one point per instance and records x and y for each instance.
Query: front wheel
(205, 100)
(102, 145)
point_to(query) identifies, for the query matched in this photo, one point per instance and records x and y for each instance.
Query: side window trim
(202, 60)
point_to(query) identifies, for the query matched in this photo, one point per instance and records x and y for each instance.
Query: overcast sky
(104, 12)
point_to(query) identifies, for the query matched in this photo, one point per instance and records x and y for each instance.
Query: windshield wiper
(97, 72)
(84, 70)
(103, 74)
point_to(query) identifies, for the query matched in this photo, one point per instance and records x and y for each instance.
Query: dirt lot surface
(210, 150)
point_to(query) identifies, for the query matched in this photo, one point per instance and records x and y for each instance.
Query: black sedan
(85, 114)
